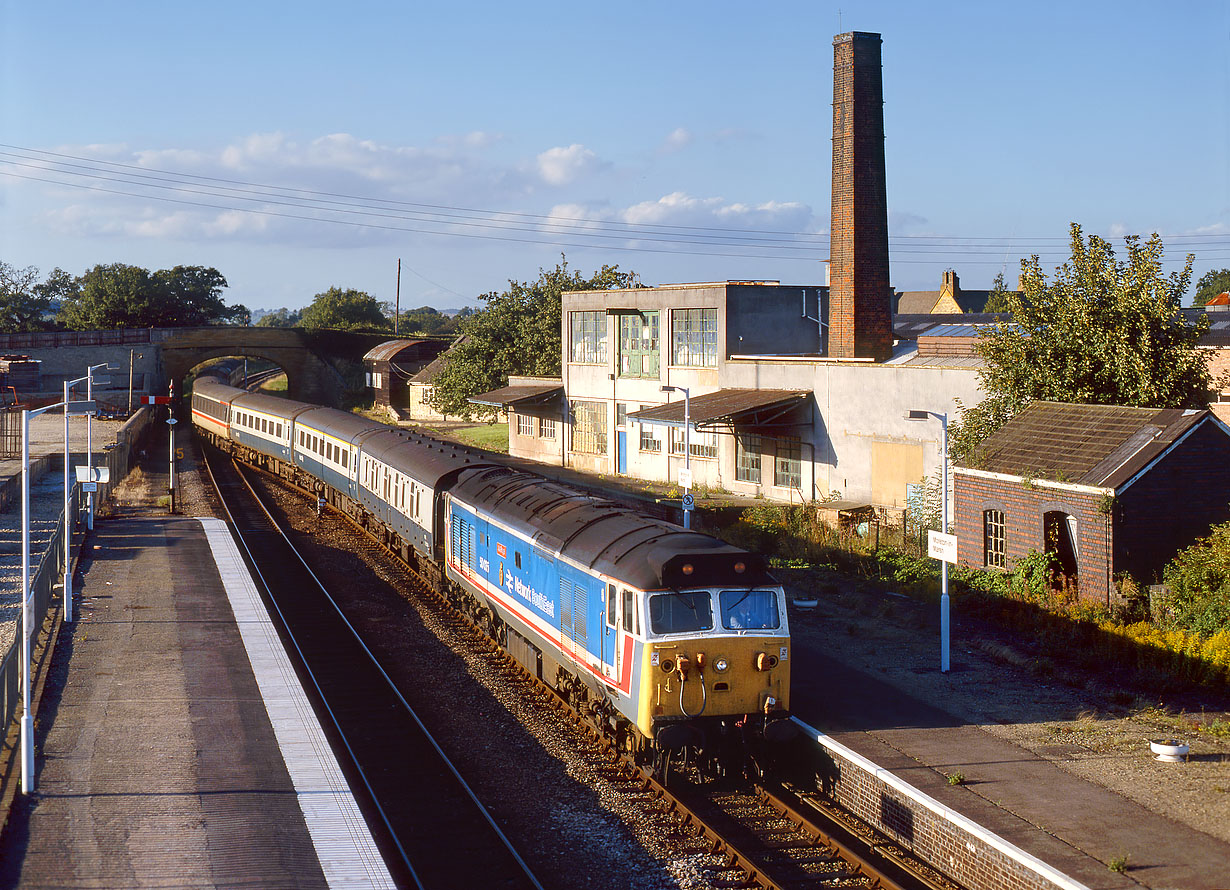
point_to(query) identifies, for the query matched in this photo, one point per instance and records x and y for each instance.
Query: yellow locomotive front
(714, 657)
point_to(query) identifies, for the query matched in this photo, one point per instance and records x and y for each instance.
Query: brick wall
(860, 310)
(925, 827)
(1024, 508)
(1172, 505)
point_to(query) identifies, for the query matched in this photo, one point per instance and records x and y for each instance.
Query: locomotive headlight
(686, 568)
(720, 665)
(740, 568)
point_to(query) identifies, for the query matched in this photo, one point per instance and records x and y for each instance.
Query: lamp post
(171, 461)
(687, 450)
(942, 417)
(89, 436)
(68, 533)
(27, 720)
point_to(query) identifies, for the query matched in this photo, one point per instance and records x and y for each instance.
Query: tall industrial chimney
(860, 302)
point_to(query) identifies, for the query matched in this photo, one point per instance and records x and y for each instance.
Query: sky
(296, 147)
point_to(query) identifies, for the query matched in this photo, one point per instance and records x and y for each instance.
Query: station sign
(685, 478)
(941, 546)
(155, 400)
(89, 486)
(93, 474)
(78, 409)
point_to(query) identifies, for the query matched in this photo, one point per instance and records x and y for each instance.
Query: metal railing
(50, 572)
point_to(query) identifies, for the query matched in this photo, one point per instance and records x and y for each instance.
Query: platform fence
(47, 577)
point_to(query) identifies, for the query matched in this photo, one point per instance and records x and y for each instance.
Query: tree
(516, 333)
(117, 295)
(1103, 331)
(428, 321)
(22, 303)
(997, 299)
(1211, 283)
(347, 309)
(280, 318)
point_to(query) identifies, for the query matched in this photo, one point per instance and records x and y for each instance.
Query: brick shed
(1108, 489)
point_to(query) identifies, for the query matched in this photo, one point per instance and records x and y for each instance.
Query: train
(673, 643)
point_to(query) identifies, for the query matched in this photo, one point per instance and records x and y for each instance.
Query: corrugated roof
(754, 406)
(522, 393)
(386, 352)
(1098, 445)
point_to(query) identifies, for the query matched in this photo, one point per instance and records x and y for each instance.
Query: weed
(957, 778)
(1118, 864)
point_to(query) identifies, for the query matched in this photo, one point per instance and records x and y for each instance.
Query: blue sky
(694, 138)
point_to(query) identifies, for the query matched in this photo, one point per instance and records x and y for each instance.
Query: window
(649, 437)
(610, 604)
(588, 337)
(589, 427)
(788, 467)
(694, 338)
(425, 395)
(345, 460)
(525, 425)
(747, 458)
(749, 609)
(700, 444)
(675, 612)
(638, 345)
(993, 538)
(629, 622)
(546, 427)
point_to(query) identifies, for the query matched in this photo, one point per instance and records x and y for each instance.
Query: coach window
(610, 604)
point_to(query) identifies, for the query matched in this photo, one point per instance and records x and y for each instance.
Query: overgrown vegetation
(1188, 642)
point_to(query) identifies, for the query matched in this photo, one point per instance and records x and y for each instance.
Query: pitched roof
(432, 370)
(1097, 445)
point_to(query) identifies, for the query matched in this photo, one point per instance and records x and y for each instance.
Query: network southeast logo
(530, 595)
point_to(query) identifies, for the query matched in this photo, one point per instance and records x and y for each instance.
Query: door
(621, 438)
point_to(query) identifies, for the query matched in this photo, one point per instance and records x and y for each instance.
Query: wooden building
(390, 366)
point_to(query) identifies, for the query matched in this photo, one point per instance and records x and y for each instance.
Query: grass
(275, 386)
(491, 436)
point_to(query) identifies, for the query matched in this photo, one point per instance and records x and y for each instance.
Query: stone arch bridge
(151, 357)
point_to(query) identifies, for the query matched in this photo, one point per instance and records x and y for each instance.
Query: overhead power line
(370, 212)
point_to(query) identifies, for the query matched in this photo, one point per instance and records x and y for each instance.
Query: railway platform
(1071, 824)
(174, 744)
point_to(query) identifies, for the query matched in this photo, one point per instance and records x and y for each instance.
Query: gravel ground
(1095, 726)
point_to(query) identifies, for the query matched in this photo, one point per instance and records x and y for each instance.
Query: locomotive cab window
(749, 609)
(629, 623)
(610, 605)
(680, 612)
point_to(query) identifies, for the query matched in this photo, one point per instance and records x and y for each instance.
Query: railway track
(431, 828)
(749, 836)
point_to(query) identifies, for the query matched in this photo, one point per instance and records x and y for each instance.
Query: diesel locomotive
(667, 639)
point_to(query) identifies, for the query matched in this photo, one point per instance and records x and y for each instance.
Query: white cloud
(677, 140)
(561, 166)
(679, 208)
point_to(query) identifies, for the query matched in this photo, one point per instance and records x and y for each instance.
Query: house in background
(1107, 489)
(390, 367)
(950, 299)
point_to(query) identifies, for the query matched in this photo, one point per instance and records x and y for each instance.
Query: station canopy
(522, 395)
(728, 408)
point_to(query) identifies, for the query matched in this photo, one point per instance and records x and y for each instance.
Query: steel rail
(379, 667)
(878, 872)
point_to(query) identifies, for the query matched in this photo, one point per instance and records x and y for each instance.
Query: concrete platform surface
(1067, 822)
(157, 762)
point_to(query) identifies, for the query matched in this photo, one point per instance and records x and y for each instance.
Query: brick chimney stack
(860, 298)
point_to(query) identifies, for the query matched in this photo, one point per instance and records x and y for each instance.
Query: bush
(1198, 580)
